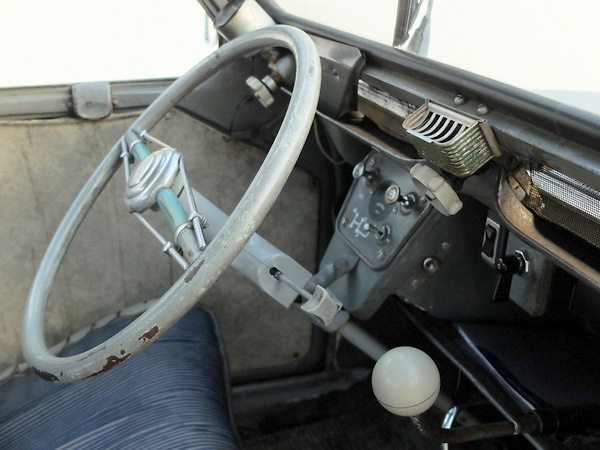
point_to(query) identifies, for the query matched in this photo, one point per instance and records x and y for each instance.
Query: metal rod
(194, 213)
(526, 424)
(362, 340)
(125, 157)
(143, 134)
(168, 246)
(281, 277)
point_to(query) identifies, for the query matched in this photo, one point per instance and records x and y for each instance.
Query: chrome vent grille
(452, 140)
(565, 201)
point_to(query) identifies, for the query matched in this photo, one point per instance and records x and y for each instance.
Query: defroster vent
(454, 141)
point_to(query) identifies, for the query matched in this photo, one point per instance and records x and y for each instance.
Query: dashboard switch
(493, 245)
(489, 241)
(393, 195)
(360, 170)
(436, 189)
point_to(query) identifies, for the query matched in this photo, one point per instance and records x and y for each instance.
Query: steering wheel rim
(243, 222)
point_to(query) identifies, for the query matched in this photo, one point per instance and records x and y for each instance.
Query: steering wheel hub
(155, 172)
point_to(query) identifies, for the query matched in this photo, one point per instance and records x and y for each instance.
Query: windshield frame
(558, 118)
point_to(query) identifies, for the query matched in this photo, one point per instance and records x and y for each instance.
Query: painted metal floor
(113, 262)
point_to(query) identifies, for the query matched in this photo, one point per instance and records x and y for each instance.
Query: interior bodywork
(428, 207)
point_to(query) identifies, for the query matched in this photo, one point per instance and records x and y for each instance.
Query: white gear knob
(406, 381)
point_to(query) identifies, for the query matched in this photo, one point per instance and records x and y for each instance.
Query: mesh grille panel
(565, 202)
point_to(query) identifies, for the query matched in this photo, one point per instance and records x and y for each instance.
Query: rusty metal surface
(526, 424)
(521, 221)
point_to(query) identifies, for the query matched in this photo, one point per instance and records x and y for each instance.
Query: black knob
(510, 264)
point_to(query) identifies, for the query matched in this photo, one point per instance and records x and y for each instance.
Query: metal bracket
(92, 101)
(320, 304)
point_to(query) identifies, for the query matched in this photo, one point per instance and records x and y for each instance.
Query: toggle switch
(381, 233)
(360, 170)
(393, 195)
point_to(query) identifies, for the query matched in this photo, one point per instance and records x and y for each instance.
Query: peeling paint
(148, 335)
(193, 271)
(45, 375)
(113, 361)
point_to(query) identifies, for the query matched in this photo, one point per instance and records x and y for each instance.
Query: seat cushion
(174, 394)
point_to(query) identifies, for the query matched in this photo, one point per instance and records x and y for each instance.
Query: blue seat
(174, 394)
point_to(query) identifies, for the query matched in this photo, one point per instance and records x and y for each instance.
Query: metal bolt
(459, 100)
(345, 221)
(430, 264)
(380, 255)
(483, 109)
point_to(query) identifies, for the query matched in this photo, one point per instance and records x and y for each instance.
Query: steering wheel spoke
(157, 180)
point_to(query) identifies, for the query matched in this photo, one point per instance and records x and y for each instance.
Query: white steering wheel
(203, 272)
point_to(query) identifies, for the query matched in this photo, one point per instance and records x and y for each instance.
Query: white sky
(541, 45)
(66, 41)
(548, 46)
(544, 44)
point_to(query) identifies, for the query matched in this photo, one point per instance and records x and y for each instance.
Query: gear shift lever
(406, 381)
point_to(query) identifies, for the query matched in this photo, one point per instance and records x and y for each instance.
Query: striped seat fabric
(174, 394)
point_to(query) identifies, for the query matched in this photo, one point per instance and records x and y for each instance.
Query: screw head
(483, 109)
(459, 100)
(430, 264)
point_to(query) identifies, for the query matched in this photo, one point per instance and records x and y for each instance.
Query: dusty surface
(113, 261)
